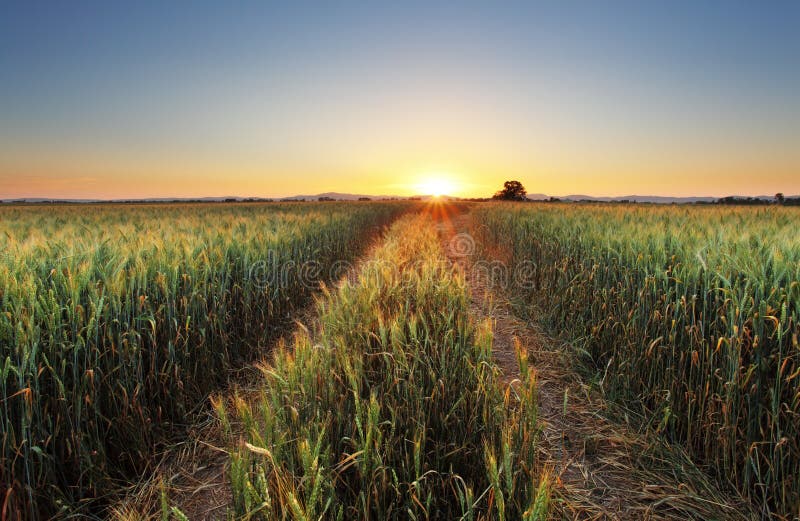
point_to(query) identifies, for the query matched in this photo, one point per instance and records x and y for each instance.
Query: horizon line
(536, 195)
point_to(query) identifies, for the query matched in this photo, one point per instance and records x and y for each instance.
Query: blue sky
(110, 99)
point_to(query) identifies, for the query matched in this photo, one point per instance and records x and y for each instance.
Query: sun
(436, 186)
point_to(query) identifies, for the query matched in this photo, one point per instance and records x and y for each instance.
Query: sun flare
(436, 186)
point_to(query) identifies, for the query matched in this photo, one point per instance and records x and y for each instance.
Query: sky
(193, 99)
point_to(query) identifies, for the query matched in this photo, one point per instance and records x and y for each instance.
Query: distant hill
(538, 197)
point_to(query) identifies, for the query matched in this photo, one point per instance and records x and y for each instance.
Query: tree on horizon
(512, 191)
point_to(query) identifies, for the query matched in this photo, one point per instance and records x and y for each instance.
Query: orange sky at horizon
(118, 178)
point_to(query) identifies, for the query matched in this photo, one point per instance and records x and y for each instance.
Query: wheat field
(116, 320)
(121, 324)
(689, 314)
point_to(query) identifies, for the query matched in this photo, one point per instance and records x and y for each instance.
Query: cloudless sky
(139, 99)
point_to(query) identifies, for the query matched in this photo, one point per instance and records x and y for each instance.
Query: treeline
(785, 201)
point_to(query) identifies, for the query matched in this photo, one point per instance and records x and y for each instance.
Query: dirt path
(606, 470)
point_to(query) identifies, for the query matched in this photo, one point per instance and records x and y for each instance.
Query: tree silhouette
(512, 191)
(780, 198)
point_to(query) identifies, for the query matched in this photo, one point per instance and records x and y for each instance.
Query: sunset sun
(436, 186)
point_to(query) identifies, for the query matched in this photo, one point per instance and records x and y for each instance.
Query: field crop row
(393, 408)
(115, 321)
(691, 313)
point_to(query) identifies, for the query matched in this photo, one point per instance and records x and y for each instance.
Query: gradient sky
(113, 99)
